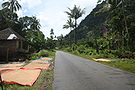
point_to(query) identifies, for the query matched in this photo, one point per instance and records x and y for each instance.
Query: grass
(126, 64)
(44, 81)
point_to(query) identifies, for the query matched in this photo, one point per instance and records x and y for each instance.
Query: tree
(60, 41)
(8, 14)
(52, 34)
(8, 19)
(13, 5)
(115, 5)
(75, 13)
(36, 39)
(69, 24)
(31, 32)
(30, 23)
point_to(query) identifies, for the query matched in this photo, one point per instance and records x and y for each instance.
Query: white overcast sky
(51, 12)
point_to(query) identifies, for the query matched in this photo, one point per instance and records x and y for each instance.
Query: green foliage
(50, 44)
(73, 14)
(81, 49)
(43, 53)
(110, 33)
(34, 56)
(90, 51)
(13, 5)
(28, 27)
(103, 43)
(76, 52)
(68, 49)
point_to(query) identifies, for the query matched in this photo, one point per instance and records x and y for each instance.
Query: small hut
(10, 44)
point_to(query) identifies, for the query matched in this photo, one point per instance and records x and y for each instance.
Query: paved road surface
(75, 73)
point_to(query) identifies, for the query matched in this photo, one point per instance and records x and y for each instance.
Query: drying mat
(22, 76)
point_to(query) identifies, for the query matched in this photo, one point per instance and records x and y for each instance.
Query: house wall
(10, 45)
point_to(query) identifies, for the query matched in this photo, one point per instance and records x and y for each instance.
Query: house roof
(9, 34)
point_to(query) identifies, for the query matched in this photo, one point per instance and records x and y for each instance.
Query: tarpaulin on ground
(11, 66)
(46, 58)
(102, 60)
(21, 76)
(38, 64)
(24, 75)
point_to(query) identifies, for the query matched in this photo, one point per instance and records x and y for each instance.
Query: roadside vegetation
(125, 60)
(124, 64)
(107, 32)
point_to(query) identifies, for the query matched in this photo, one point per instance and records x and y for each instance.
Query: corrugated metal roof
(9, 34)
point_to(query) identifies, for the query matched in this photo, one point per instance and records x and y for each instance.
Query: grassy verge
(44, 81)
(124, 64)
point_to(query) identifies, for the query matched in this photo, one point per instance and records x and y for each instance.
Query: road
(75, 73)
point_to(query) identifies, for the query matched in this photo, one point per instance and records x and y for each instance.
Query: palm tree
(75, 13)
(13, 5)
(69, 24)
(35, 23)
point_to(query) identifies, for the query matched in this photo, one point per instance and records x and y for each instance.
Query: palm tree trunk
(70, 38)
(75, 31)
(126, 28)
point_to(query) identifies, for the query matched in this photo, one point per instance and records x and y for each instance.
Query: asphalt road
(75, 73)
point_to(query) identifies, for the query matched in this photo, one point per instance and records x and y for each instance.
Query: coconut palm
(13, 5)
(75, 13)
(69, 24)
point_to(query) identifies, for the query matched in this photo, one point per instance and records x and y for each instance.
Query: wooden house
(10, 44)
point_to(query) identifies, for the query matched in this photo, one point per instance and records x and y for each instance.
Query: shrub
(127, 54)
(90, 51)
(68, 49)
(43, 53)
(81, 49)
(76, 52)
(34, 56)
(74, 47)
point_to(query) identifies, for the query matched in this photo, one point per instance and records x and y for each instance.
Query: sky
(51, 12)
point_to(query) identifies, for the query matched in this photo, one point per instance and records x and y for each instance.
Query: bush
(90, 51)
(74, 47)
(43, 53)
(81, 49)
(76, 52)
(34, 56)
(127, 54)
(68, 49)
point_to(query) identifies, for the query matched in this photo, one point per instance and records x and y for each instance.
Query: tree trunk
(70, 37)
(126, 34)
(75, 31)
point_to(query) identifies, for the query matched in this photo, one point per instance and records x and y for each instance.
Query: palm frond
(5, 4)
